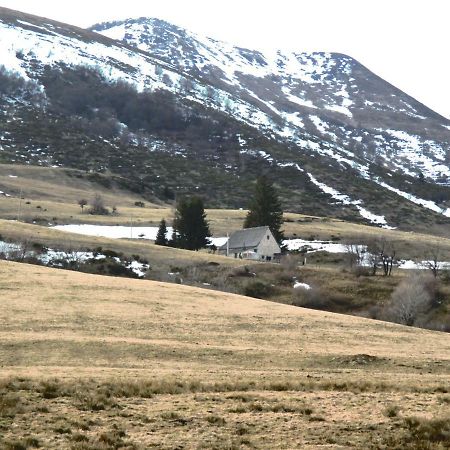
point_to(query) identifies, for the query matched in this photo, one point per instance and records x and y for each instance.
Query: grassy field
(91, 362)
(337, 286)
(51, 195)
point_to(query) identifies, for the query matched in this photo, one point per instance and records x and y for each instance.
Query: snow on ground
(333, 247)
(121, 232)
(418, 201)
(46, 45)
(414, 150)
(314, 246)
(293, 119)
(218, 241)
(8, 247)
(50, 47)
(330, 150)
(305, 286)
(5, 194)
(52, 257)
(114, 231)
(421, 265)
(117, 232)
(297, 100)
(140, 269)
(232, 61)
(340, 109)
(346, 200)
(321, 126)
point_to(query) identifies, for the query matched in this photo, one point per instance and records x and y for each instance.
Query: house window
(256, 250)
(268, 258)
(268, 237)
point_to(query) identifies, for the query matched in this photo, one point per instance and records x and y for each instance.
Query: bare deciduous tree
(409, 300)
(432, 263)
(98, 206)
(82, 203)
(355, 254)
(381, 253)
(291, 262)
(71, 257)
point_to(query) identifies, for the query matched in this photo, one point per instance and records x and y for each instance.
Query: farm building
(252, 243)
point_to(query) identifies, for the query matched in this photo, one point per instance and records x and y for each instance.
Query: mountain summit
(328, 95)
(170, 111)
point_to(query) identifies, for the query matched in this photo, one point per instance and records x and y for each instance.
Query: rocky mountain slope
(327, 95)
(207, 117)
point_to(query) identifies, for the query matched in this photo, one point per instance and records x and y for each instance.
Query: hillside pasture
(99, 362)
(51, 195)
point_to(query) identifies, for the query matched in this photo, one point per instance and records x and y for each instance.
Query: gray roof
(246, 238)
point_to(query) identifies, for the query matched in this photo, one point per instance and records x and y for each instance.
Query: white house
(252, 243)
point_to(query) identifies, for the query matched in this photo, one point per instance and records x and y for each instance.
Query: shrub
(14, 445)
(242, 272)
(361, 271)
(51, 389)
(313, 298)
(98, 401)
(392, 411)
(107, 266)
(110, 253)
(421, 433)
(98, 206)
(408, 301)
(216, 420)
(10, 405)
(258, 289)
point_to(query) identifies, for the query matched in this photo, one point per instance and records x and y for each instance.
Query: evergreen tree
(265, 208)
(190, 223)
(161, 236)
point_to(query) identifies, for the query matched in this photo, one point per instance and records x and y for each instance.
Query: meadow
(50, 196)
(100, 362)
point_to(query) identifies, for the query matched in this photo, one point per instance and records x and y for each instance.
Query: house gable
(252, 243)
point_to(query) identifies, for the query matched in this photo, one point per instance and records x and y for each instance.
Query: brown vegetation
(91, 362)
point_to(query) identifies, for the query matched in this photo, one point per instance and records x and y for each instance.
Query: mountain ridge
(335, 64)
(107, 25)
(330, 149)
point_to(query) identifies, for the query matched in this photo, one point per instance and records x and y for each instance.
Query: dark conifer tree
(192, 230)
(265, 208)
(161, 236)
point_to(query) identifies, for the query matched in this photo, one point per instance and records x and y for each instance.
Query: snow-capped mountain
(331, 96)
(338, 139)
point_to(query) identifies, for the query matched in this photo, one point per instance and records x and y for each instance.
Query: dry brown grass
(55, 185)
(56, 194)
(145, 364)
(156, 255)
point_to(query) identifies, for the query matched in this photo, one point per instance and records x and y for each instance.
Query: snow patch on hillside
(59, 258)
(297, 100)
(417, 200)
(298, 285)
(114, 231)
(321, 126)
(314, 246)
(412, 149)
(298, 73)
(346, 200)
(20, 46)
